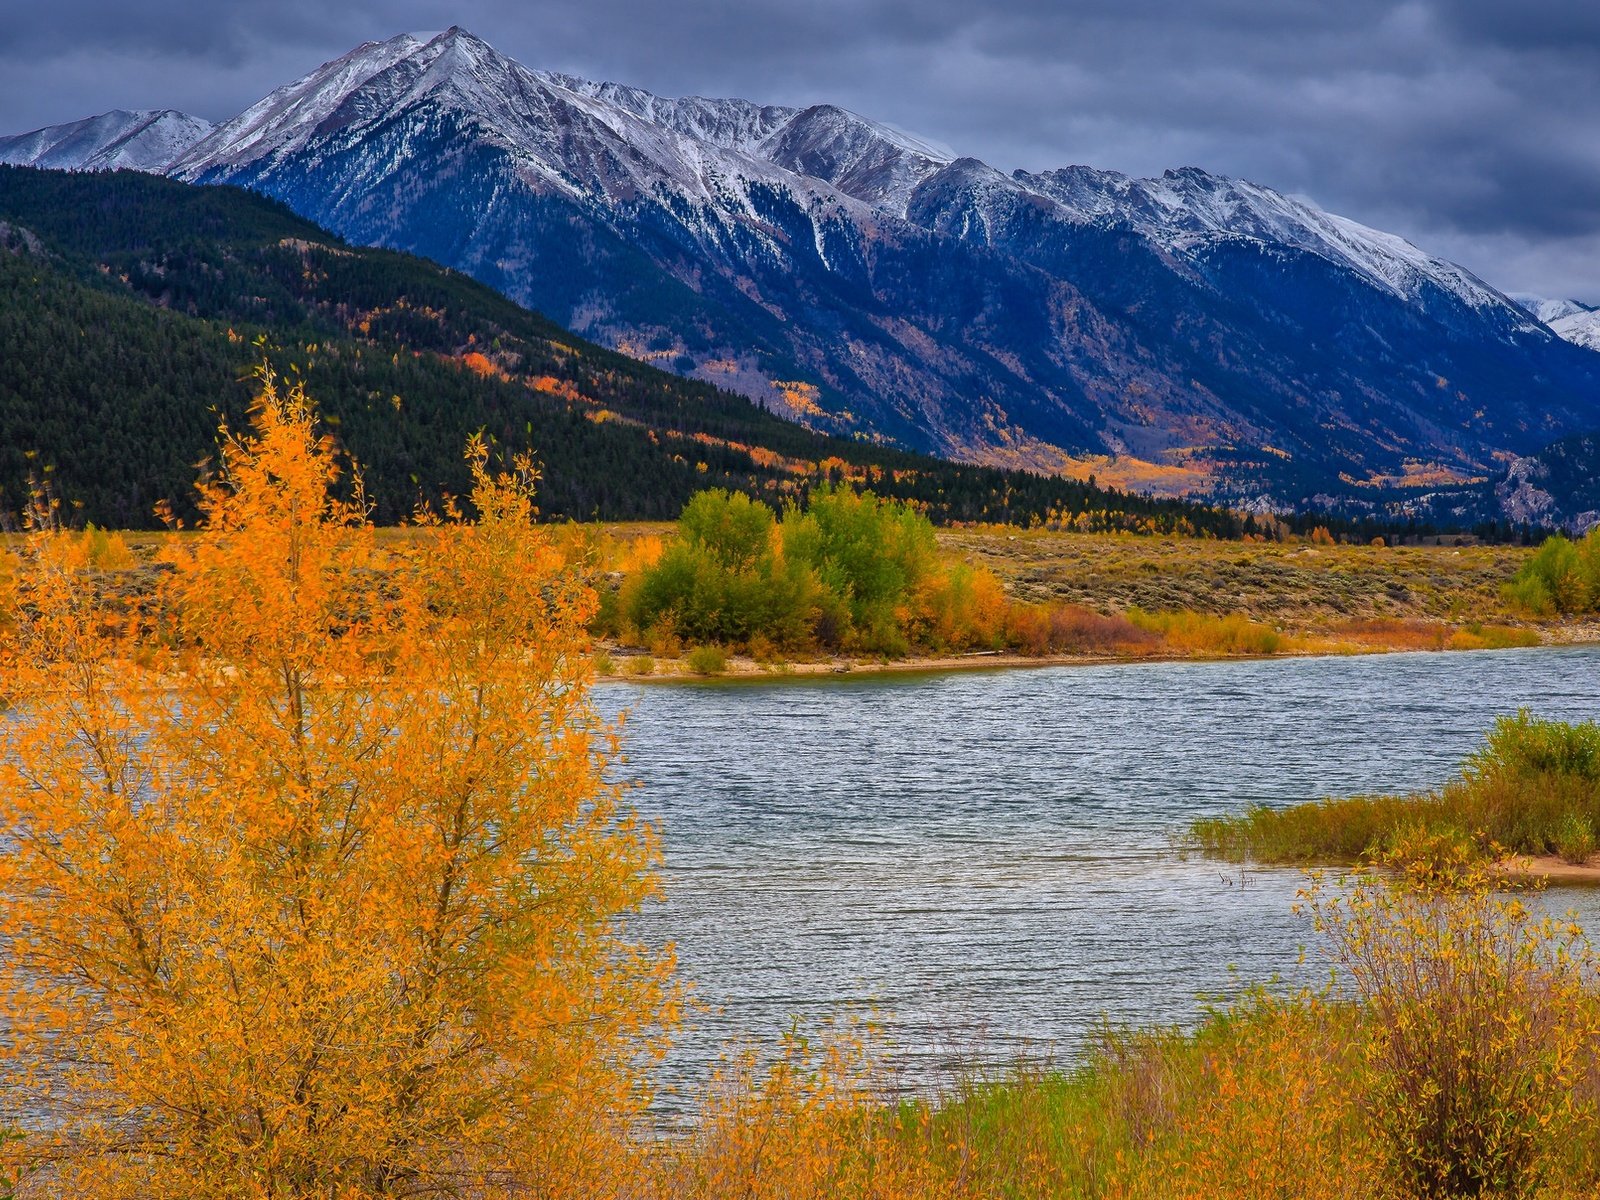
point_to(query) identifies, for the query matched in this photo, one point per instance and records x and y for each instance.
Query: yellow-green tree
(313, 880)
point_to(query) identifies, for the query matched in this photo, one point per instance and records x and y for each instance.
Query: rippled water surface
(985, 857)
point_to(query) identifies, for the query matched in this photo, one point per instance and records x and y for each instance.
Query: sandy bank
(1547, 868)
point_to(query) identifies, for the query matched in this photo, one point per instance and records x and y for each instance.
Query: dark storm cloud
(1467, 125)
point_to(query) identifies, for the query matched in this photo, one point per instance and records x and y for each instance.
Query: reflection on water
(985, 857)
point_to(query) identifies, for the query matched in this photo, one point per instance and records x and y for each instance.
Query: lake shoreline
(743, 669)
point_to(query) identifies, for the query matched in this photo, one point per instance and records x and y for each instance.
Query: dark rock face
(1558, 487)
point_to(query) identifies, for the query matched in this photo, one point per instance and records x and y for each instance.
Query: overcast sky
(1472, 127)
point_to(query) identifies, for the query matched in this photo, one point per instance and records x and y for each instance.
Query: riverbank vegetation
(999, 592)
(852, 573)
(846, 572)
(849, 574)
(1532, 788)
(1458, 1059)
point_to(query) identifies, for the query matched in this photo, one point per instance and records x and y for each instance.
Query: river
(985, 858)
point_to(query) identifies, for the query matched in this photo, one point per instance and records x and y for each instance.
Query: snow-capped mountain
(1189, 210)
(1581, 328)
(1186, 332)
(1578, 323)
(139, 141)
(1549, 310)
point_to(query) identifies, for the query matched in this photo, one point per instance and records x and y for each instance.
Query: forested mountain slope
(130, 311)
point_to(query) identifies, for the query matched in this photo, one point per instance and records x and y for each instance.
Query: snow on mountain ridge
(1187, 203)
(147, 140)
(606, 141)
(1581, 328)
(593, 142)
(1548, 310)
(730, 123)
(292, 114)
(691, 142)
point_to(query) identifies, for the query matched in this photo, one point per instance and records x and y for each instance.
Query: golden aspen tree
(313, 882)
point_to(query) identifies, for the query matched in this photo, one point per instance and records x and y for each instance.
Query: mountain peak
(139, 140)
(1549, 310)
(1217, 331)
(1581, 328)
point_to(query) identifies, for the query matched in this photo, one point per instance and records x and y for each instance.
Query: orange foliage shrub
(1071, 629)
(1271, 1113)
(810, 1126)
(481, 364)
(8, 603)
(319, 895)
(800, 396)
(558, 387)
(1396, 633)
(957, 608)
(1203, 633)
(1482, 1024)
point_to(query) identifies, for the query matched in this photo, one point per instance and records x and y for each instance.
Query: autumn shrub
(1560, 577)
(1207, 633)
(812, 1122)
(1573, 838)
(106, 550)
(850, 572)
(8, 600)
(957, 607)
(1262, 1101)
(1334, 830)
(321, 892)
(724, 580)
(1270, 1106)
(1255, 1103)
(1481, 1025)
(1073, 629)
(1397, 633)
(707, 660)
(872, 556)
(1531, 787)
(1028, 629)
(662, 639)
(1524, 747)
(1531, 593)
(1476, 636)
